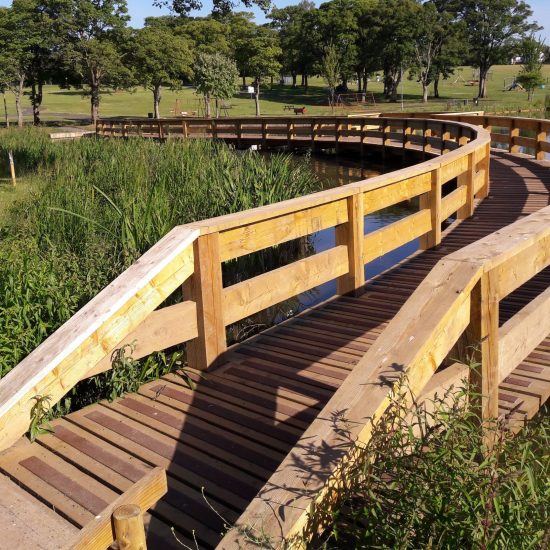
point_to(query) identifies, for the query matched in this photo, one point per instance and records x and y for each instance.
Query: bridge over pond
(257, 435)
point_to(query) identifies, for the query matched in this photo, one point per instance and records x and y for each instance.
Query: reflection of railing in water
(193, 255)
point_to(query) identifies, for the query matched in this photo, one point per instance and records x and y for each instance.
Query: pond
(333, 171)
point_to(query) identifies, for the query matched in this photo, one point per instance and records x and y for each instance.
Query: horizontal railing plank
(396, 234)
(256, 294)
(453, 201)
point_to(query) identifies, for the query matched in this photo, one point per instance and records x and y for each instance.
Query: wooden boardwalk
(230, 434)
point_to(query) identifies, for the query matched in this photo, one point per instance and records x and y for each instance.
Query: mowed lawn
(60, 106)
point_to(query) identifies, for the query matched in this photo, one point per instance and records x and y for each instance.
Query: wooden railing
(528, 135)
(192, 255)
(459, 300)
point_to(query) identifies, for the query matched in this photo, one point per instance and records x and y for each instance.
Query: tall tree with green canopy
(492, 30)
(160, 58)
(94, 32)
(299, 37)
(15, 56)
(219, 7)
(330, 70)
(215, 77)
(434, 30)
(533, 54)
(263, 61)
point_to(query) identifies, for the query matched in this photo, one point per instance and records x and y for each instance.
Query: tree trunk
(207, 108)
(19, 91)
(294, 80)
(94, 100)
(425, 92)
(257, 97)
(306, 80)
(436, 87)
(6, 116)
(244, 80)
(36, 101)
(157, 96)
(483, 82)
(359, 83)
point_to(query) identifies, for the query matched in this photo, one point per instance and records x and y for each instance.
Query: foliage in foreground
(98, 206)
(426, 481)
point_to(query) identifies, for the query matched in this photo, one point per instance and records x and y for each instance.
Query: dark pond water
(333, 172)
(337, 172)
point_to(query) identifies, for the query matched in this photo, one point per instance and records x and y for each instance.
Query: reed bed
(98, 205)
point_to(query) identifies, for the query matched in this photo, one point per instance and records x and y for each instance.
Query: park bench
(289, 108)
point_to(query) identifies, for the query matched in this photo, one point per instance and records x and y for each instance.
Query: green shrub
(426, 481)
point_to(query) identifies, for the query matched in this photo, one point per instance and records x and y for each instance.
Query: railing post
(432, 201)
(427, 132)
(514, 133)
(483, 335)
(484, 191)
(541, 138)
(289, 132)
(337, 135)
(264, 134)
(352, 234)
(129, 528)
(205, 288)
(445, 136)
(184, 128)
(468, 179)
(406, 133)
(239, 135)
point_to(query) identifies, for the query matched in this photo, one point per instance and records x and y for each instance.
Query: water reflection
(333, 171)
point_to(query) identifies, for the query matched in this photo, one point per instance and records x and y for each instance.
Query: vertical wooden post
(363, 137)
(289, 133)
(445, 136)
(264, 134)
(205, 288)
(432, 200)
(12, 169)
(129, 529)
(337, 135)
(427, 132)
(541, 138)
(407, 130)
(468, 179)
(483, 334)
(239, 135)
(161, 133)
(214, 129)
(484, 191)
(514, 133)
(352, 234)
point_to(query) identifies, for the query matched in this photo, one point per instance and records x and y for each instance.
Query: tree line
(89, 45)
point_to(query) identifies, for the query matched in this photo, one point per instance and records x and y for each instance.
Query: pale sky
(140, 9)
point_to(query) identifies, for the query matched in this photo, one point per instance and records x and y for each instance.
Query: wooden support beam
(129, 528)
(483, 335)
(541, 138)
(514, 133)
(205, 288)
(468, 179)
(351, 234)
(432, 201)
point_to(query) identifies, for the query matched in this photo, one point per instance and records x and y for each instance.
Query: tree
(160, 58)
(215, 77)
(330, 70)
(263, 61)
(299, 37)
(94, 31)
(434, 30)
(220, 7)
(15, 56)
(533, 53)
(492, 29)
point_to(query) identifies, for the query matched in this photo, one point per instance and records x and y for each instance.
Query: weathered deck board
(230, 434)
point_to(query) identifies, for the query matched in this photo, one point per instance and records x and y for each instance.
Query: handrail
(531, 134)
(459, 299)
(193, 254)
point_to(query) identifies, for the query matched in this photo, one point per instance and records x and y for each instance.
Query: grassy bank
(95, 206)
(68, 106)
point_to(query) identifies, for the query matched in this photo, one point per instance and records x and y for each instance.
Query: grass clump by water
(97, 206)
(427, 481)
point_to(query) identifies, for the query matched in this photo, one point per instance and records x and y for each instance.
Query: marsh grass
(96, 206)
(426, 480)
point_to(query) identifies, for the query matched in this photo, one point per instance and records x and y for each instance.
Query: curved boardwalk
(230, 434)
